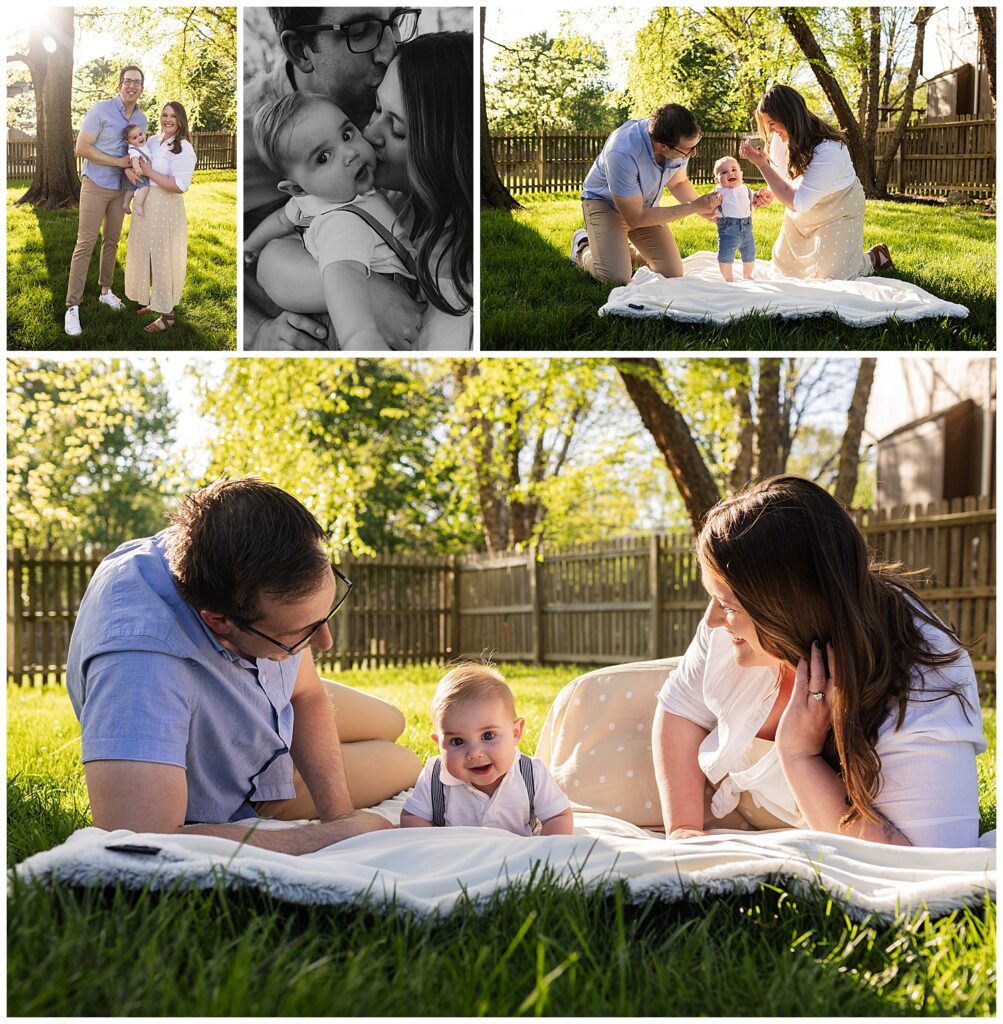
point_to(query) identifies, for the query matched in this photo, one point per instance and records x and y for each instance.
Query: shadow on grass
(534, 299)
(40, 244)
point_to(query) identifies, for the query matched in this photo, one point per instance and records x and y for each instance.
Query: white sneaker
(578, 239)
(112, 300)
(71, 322)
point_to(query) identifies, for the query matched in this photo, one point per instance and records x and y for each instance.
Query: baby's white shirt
(507, 807)
(143, 150)
(735, 202)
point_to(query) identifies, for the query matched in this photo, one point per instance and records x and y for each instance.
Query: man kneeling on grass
(191, 673)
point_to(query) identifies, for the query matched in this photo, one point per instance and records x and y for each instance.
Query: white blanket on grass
(429, 870)
(702, 295)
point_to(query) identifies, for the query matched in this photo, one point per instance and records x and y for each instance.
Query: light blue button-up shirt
(627, 166)
(150, 682)
(107, 122)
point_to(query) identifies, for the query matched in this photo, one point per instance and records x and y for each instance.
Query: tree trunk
(923, 15)
(769, 430)
(645, 385)
(986, 19)
(849, 450)
(803, 36)
(494, 194)
(55, 184)
(741, 471)
(873, 85)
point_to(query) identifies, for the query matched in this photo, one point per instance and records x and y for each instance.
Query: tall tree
(494, 194)
(649, 390)
(849, 450)
(49, 58)
(873, 178)
(86, 443)
(985, 18)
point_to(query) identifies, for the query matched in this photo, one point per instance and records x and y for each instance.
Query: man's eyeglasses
(343, 582)
(132, 81)
(692, 151)
(364, 35)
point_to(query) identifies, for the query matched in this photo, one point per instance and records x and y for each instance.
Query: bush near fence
(935, 158)
(621, 600)
(215, 151)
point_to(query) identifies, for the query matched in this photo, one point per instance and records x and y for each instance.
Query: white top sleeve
(419, 803)
(683, 692)
(549, 800)
(179, 166)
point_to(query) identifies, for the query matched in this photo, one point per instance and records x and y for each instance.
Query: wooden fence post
(15, 616)
(536, 615)
(655, 594)
(457, 647)
(541, 170)
(343, 621)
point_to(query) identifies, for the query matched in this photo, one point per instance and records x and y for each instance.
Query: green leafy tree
(354, 440)
(552, 84)
(86, 442)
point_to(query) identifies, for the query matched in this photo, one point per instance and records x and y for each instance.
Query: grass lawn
(541, 950)
(533, 299)
(39, 246)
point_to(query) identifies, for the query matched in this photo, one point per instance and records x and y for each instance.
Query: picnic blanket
(429, 870)
(702, 295)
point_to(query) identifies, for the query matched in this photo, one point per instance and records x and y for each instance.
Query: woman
(422, 132)
(819, 691)
(809, 170)
(157, 257)
(622, 192)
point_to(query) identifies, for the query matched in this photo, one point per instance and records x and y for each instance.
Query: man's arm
(637, 215)
(145, 797)
(84, 146)
(316, 748)
(682, 190)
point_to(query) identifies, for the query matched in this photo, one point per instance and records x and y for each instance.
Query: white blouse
(831, 170)
(929, 782)
(180, 166)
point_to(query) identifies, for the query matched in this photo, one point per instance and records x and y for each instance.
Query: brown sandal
(164, 322)
(144, 310)
(881, 257)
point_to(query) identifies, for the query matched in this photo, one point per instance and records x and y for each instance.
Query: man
(191, 673)
(622, 193)
(341, 53)
(101, 142)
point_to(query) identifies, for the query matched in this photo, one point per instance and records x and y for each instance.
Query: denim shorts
(735, 233)
(141, 182)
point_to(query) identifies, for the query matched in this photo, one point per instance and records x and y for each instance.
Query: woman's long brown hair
(799, 566)
(805, 130)
(182, 133)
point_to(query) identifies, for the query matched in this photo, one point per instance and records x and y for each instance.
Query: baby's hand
(763, 197)
(251, 256)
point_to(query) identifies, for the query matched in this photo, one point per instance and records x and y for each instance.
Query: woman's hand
(806, 720)
(762, 197)
(755, 156)
(685, 833)
(707, 205)
(145, 166)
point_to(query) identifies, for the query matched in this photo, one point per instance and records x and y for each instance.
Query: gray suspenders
(439, 792)
(388, 236)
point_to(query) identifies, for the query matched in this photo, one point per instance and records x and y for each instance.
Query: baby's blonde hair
(466, 684)
(721, 161)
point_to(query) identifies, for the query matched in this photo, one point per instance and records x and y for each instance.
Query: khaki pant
(100, 211)
(613, 247)
(375, 767)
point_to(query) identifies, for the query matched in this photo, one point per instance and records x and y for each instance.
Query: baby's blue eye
(456, 742)
(488, 736)
(347, 135)
(323, 158)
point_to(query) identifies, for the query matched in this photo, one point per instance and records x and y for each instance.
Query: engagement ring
(817, 694)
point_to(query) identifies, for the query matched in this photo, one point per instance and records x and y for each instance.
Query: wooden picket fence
(935, 158)
(215, 151)
(616, 601)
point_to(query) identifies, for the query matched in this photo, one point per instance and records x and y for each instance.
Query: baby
(734, 225)
(481, 778)
(138, 150)
(327, 167)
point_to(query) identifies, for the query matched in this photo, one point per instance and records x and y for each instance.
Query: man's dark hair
(131, 67)
(284, 18)
(671, 123)
(237, 540)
